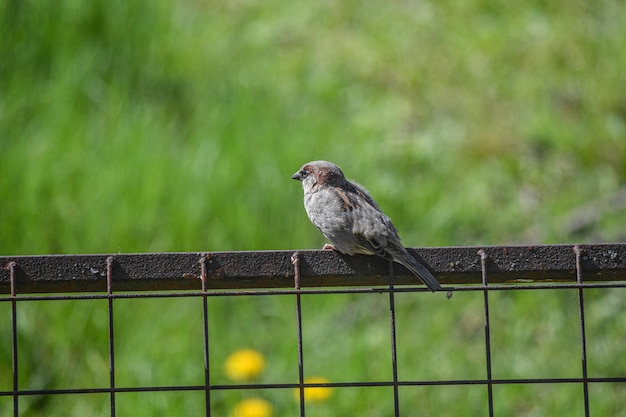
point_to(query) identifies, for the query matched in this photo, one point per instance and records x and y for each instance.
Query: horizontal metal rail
(318, 268)
(217, 387)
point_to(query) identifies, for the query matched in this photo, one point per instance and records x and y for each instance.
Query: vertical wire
(394, 356)
(295, 260)
(483, 266)
(583, 338)
(109, 266)
(16, 396)
(205, 323)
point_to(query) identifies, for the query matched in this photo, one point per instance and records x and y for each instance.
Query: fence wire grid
(220, 275)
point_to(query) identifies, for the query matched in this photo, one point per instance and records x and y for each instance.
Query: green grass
(131, 126)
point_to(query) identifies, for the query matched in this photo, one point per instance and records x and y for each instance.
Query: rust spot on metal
(218, 273)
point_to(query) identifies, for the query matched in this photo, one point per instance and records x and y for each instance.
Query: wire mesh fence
(490, 359)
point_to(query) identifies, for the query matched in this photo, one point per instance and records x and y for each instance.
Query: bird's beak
(297, 176)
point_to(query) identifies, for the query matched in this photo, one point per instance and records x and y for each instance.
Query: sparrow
(351, 220)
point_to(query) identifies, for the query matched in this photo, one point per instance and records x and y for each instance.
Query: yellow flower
(244, 365)
(252, 407)
(315, 394)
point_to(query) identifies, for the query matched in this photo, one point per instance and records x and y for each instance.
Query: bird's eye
(304, 173)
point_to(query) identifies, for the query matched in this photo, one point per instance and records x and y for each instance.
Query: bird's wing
(375, 233)
(371, 227)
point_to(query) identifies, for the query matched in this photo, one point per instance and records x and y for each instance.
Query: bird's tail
(418, 269)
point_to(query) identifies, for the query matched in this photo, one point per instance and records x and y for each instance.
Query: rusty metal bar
(483, 263)
(273, 269)
(205, 338)
(12, 266)
(394, 354)
(295, 260)
(109, 281)
(583, 337)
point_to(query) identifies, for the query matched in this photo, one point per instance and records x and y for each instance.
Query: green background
(136, 126)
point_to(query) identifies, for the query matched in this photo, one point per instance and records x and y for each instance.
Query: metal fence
(288, 273)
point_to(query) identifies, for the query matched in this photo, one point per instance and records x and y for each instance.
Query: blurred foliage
(135, 126)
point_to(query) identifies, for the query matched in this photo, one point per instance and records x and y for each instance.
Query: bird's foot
(328, 247)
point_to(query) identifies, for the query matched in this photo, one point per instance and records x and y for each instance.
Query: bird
(347, 215)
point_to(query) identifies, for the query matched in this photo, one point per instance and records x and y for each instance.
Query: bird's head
(319, 173)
